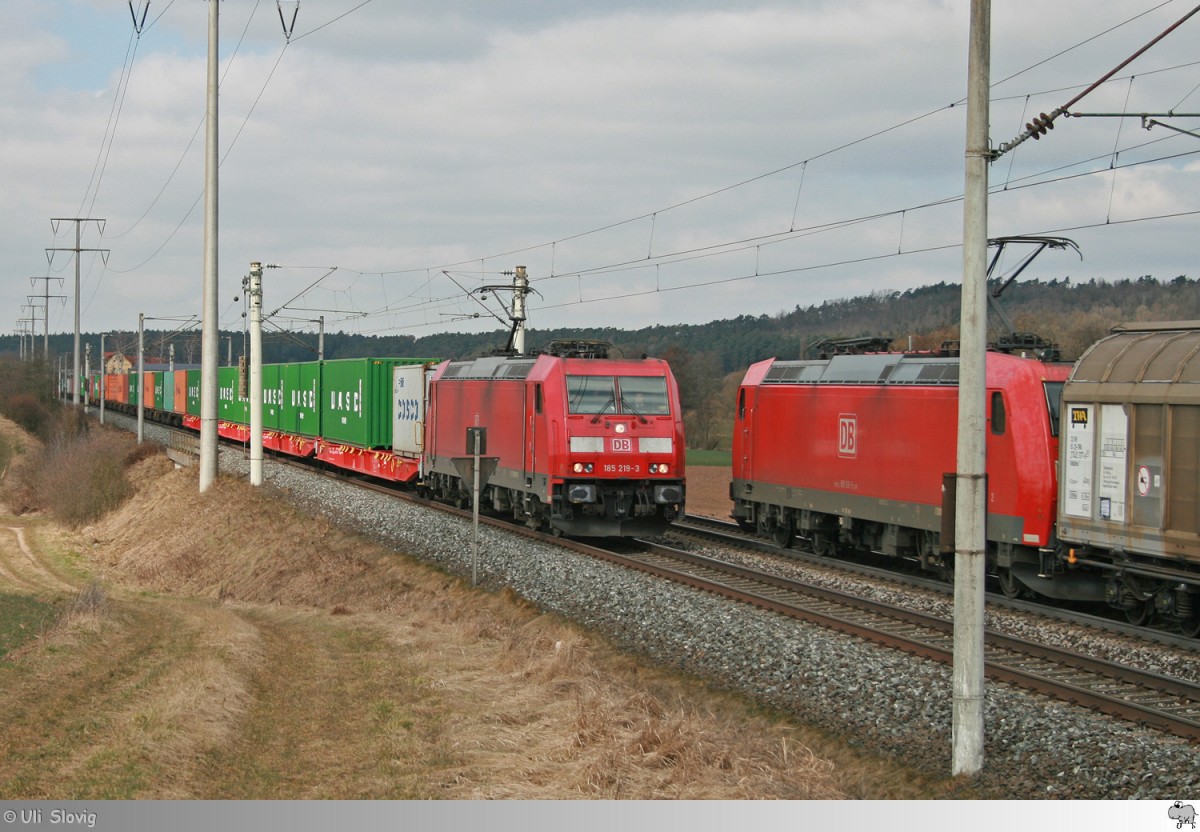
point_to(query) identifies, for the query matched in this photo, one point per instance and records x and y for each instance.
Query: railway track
(1160, 702)
(1145, 698)
(709, 531)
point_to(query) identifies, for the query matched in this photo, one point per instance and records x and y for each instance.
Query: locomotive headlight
(659, 467)
(577, 467)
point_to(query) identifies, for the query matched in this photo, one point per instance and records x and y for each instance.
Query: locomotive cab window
(635, 395)
(999, 417)
(1054, 390)
(643, 395)
(590, 394)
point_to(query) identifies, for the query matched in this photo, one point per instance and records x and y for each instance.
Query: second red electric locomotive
(851, 451)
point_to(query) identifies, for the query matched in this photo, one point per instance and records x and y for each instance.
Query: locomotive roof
(490, 366)
(873, 368)
(522, 366)
(1140, 361)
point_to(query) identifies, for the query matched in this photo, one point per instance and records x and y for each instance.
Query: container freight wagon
(341, 412)
(585, 446)
(1129, 509)
(850, 452)
(358, 414)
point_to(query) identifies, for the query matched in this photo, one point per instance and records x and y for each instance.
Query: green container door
(160, 391)
(134, 389)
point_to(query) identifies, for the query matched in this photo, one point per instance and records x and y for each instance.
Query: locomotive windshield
(1054, 391)
(637, 395)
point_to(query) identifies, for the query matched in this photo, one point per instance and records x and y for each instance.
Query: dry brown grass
(245, 651)
(77, 474)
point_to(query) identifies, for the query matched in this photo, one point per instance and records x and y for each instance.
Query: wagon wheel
(783, 535)
(1190, 627)
(1139, 613)
(945, 569)
(822, 545)
(1009, 585)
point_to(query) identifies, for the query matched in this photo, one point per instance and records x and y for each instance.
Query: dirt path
(32, 573)
(115, 704)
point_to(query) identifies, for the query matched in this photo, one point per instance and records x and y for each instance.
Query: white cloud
(407, 138)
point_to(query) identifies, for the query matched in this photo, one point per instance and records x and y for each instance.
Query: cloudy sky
(666, 161)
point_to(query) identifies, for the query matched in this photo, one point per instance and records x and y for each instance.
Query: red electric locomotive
(851, 452)
(585, 445)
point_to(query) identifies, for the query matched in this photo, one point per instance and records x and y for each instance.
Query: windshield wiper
(612, 400)
(626, 406)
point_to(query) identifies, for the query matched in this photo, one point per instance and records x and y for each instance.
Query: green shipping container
(356, 400)
(160, 397)
(272, 394)
(135, 388)
(231, 407)
(193, 392)
(300, 388)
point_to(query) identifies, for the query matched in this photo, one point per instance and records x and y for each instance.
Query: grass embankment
(696, 456)
(224, 646)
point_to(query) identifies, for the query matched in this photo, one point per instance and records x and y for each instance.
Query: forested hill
(1071, 314)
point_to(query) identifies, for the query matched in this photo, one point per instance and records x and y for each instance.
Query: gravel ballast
(878, 700)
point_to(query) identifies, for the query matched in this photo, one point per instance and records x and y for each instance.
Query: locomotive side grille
(514, 369)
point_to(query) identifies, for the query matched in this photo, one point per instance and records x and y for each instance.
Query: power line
(743, 244)
(661, 259)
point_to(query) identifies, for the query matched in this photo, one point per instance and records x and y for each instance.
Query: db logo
(847, 434)
(622, 445)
